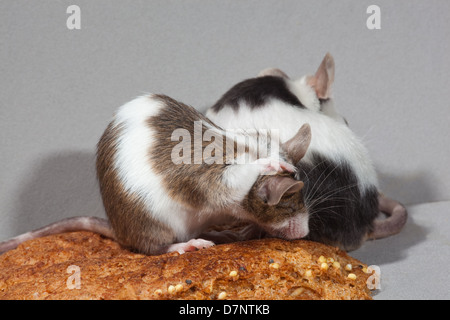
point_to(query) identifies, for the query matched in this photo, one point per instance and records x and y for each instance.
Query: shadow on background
(59, 186)
(395, 248)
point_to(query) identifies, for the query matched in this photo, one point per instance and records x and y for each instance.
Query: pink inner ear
(297, 146)
(275, 187)
(295, 188)
(324, 78)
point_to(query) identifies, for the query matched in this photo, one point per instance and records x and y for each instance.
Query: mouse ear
(297, 146)
(273, 188)
(273, 72)
(324, 78)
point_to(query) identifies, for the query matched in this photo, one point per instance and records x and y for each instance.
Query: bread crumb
(179, 287)
(171, 289)
(222, 295)
(274, 265)
(352, 276)
(233, 273)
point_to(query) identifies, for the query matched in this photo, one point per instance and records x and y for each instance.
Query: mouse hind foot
(191, 245)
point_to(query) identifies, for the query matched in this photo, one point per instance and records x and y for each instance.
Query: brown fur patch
(133, 226)
(194, 185)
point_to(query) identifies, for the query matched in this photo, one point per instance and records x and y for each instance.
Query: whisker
(318, 179)
(331, 193)
(327, 195)
(330, 211)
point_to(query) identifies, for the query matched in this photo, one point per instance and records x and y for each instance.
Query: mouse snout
(293, 228)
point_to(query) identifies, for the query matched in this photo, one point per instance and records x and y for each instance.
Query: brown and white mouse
(166, 173)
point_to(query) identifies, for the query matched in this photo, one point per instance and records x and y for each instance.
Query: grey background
(60, 87)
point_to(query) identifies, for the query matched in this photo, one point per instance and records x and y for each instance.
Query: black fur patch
(256, 91)
(339, 214)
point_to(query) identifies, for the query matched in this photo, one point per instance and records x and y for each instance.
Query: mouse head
(275, 202)
(313, 91)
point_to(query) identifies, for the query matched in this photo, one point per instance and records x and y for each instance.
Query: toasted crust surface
(257, 269)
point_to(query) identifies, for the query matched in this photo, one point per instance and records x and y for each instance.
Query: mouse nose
(296, 228)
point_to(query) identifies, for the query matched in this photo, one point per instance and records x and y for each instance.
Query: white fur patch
(239, 178)
(304, 92)
(329, 109)
(134, 168)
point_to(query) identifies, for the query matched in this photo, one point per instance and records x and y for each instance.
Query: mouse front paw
(271, 166)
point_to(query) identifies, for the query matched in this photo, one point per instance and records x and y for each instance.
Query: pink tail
(396, 218)
(92, 224)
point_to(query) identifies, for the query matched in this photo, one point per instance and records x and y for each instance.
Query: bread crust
(256, 269)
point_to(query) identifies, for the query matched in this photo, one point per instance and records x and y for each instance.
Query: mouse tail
(396, 218)
(93, 224)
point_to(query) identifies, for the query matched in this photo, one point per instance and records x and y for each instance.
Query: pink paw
(191, 245)
(270, 166)
(287, 166)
